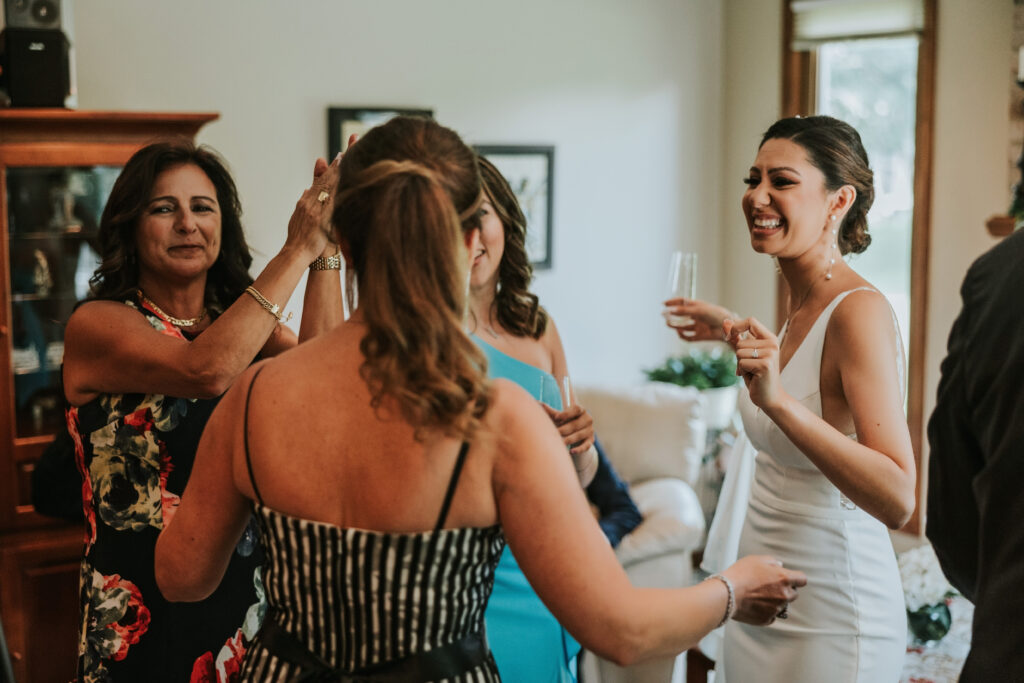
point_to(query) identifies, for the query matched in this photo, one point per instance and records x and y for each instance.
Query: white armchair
(655, 436)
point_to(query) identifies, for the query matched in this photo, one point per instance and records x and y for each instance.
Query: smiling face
(179, 232)
(786, 203)
(489, 248)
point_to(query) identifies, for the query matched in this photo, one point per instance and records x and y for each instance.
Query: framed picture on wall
(529, 169)
(342, 122)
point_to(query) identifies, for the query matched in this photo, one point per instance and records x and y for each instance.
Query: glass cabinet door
(52, 220)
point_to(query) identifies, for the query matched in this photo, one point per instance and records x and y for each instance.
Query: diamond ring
(323, 196)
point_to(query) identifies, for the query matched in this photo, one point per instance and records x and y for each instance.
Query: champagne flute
(682, 283)
(568, 398)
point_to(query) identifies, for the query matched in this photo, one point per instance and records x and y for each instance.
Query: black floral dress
(135, 453)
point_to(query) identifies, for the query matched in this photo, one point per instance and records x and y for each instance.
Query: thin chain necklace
(180, 322)
(803, 300)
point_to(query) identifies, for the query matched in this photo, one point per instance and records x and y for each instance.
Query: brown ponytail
(401, 191)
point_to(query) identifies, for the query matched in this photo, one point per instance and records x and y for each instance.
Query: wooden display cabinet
(57, 167)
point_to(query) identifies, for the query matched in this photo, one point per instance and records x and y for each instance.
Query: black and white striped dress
(357, 598)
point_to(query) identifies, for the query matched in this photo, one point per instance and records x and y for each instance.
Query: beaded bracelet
(731, 604)
(271, 308)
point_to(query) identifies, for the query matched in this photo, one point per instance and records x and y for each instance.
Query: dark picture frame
(530, 170)
(343, 121)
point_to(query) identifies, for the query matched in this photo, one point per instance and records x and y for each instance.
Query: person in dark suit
(976, 474)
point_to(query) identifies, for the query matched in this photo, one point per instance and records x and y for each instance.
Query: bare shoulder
(512, 409)
(552, 343)
(101, 321)
(864, 323)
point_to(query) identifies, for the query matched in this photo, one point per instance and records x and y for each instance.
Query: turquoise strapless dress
(528, 643)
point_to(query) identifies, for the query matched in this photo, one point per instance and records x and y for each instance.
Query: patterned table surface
(941, 663)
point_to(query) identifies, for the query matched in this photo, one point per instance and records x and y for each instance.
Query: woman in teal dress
(522, 344)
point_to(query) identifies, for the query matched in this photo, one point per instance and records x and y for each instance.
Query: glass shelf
(53, 215)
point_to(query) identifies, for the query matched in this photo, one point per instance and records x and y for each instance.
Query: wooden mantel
(55, 125)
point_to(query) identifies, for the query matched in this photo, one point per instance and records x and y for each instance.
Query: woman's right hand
(309, 227)
(707, 319)
(763, 588)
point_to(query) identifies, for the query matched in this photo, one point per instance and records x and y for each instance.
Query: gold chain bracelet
(271, 308)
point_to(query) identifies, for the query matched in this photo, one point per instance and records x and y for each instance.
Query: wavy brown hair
(834, 148)
(117, 276)
(401, 192)
(515, 306)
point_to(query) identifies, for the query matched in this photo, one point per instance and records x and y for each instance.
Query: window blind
(820, 21)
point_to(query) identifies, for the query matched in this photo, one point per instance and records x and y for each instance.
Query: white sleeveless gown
(848, 624)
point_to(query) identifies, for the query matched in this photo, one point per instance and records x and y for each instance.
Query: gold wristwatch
(327, 263)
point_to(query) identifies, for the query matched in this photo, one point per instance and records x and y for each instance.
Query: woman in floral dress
(141, 383)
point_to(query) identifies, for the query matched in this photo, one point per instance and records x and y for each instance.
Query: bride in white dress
(824, 409)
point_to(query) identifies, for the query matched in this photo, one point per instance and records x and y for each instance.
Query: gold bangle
(271, 308)
(332, 262)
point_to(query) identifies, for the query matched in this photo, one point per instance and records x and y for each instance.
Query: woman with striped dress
(381, 462)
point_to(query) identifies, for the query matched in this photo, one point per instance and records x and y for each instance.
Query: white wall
(753, 100)
(629, 94)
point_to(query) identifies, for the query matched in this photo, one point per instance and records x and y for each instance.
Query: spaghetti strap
(450, 493)
(245, 427)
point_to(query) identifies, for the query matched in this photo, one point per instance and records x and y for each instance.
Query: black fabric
(56, 483)
(448, 661)
(618, 514)
(452, 484)
(245, 436)
(976, 471)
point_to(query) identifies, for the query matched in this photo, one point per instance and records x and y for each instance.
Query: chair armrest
(673, 521)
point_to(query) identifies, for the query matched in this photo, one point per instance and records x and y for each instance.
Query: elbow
(176, 586)
(623, 646)
(621, 654)
(902, 508)
(209, 381)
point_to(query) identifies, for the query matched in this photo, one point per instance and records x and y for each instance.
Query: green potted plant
(711, 370)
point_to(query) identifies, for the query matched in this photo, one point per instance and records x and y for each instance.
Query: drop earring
(835, 246)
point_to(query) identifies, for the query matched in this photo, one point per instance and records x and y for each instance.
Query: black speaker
(43, 14)
(35, 67)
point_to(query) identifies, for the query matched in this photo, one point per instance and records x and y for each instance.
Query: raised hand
(763, 588)
(757, 360)
(706, 319)
(309, 228)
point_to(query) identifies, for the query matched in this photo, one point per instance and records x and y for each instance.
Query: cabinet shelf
(35, 371)
(44, 297)
(58, 233)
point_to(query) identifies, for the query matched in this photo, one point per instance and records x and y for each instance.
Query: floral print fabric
(135, 453)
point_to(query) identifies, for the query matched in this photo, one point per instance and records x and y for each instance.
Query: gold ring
(323, 196)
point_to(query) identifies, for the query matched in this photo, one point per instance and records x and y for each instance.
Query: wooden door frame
(798, 97)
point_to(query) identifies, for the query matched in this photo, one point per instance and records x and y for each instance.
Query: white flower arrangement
(924, 583)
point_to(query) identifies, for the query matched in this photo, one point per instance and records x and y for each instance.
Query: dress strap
(245, 423)
(450, 493)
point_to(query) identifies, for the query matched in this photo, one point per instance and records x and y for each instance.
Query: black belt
(447, 661)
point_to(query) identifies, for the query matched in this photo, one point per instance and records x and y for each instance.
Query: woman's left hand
(575, 425)
(757, 360)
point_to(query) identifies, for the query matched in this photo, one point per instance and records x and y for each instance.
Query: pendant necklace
(180, 322)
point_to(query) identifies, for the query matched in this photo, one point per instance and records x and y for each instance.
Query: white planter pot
(720, 406)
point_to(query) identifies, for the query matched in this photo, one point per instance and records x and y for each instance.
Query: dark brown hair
(835, 149)
(516, 308)
(118, 273)
(401, 192)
